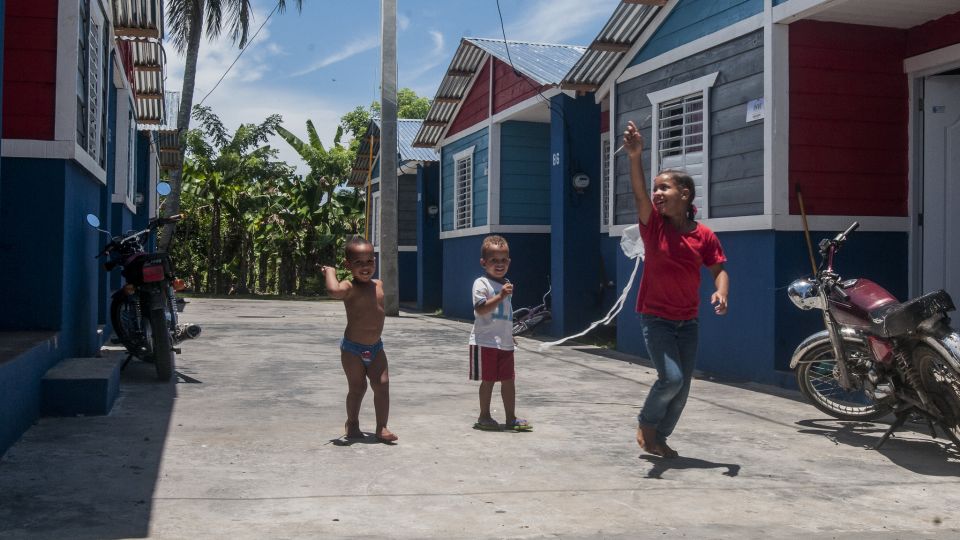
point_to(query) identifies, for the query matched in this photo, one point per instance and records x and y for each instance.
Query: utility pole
(388, 158)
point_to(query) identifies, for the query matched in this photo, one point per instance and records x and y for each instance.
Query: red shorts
(490, 364)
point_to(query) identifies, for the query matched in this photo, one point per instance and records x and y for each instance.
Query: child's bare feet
(352, 430)
(385, 435)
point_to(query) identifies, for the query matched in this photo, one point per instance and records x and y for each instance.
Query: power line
(249, 42)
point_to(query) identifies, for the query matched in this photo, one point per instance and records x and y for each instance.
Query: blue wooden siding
(524, 173)
(480, 142)
(693, 19)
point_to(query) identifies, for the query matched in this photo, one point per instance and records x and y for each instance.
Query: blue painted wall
(31, 254)
(480, 141)
(766, 325)
(575, 217)
(429, 246)
(48, 272)
(407, 274)
(778, 2)
(529, 267)
(524, 173)
(693, 19)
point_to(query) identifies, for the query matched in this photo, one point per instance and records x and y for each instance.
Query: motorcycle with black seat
(144, 311)
(877, 355)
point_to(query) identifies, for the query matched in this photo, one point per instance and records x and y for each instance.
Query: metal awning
(138, 29)
(168, 143)
(628, 21)
(545, 63)
(138, 18)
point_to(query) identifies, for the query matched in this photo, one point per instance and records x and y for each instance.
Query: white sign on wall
(755, 110)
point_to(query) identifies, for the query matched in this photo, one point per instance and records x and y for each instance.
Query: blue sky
(325, 61)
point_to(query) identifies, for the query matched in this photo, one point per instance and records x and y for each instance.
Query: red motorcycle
(877, 355)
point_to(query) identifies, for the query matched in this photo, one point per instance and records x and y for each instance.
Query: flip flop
(487, 427)
(521, 424)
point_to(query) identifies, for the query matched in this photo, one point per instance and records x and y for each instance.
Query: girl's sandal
(520, 424)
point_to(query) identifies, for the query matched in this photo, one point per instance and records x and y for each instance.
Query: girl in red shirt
(675, 246)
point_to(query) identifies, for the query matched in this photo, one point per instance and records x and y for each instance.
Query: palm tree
(186, 20)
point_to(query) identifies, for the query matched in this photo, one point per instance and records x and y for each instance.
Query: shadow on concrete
(915, 451)
(661, 465)
(368, 438)
(90, 477)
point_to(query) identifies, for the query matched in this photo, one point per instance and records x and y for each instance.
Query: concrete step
(81, 386)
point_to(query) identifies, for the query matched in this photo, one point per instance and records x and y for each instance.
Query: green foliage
(409, 105)
(253, 225)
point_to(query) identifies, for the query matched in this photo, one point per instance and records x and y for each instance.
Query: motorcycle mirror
(93, 221)
(164, 189)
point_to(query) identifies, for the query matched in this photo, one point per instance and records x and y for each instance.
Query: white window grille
(681, 134)
(93, 71)
(94, 102)
(463, 179)
(605, 180)
(132, 158)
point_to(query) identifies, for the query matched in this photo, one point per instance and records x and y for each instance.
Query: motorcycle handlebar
(843, 236)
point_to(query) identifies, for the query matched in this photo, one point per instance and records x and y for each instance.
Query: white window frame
(463, 214)
(375, 220)
(92, 85)
(606, 182)
(702, 86)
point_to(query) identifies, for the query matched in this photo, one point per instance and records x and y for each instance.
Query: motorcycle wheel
(163, 354)
(121, 314)
(817, 379)
(942, 384)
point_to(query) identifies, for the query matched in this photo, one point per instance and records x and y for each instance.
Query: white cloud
(437, 55)
(403, 22)
(558, 21)
(351, 49)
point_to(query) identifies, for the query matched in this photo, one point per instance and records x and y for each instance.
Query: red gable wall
(509, 87)
(933, 35)
(476, 106)
(30, 69)
(848, 119)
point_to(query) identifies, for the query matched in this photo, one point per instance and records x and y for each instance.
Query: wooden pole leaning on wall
(806, 230)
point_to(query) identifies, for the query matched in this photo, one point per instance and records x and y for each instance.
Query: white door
(941, 185)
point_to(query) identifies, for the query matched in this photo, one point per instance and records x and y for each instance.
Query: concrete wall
(529, 268)
(755, 340)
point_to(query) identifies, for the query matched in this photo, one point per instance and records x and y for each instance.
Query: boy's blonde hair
(494, 241)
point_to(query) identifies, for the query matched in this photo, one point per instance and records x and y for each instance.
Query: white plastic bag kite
(632, 247)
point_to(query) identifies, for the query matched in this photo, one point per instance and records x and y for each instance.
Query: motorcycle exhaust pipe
(189, 331)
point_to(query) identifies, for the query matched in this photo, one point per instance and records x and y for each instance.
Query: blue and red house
(80, 80)
(855, 105)
(510, 142)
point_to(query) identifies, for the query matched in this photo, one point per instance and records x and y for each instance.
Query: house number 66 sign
(556, 158)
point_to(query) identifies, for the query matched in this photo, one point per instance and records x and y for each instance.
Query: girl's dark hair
(684, 181)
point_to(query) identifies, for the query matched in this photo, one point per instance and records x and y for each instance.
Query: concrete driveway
(247, 446)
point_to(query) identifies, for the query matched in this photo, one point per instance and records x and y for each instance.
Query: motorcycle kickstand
(950, 435)
(126, 361)
(901, 418)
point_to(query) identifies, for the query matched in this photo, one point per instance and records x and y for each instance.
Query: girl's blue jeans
(672, 346)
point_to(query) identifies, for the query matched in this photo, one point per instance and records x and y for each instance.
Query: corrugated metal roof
(166, 133)
(542, 62)
(545, 63)
(406, 132)
(628, 21)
